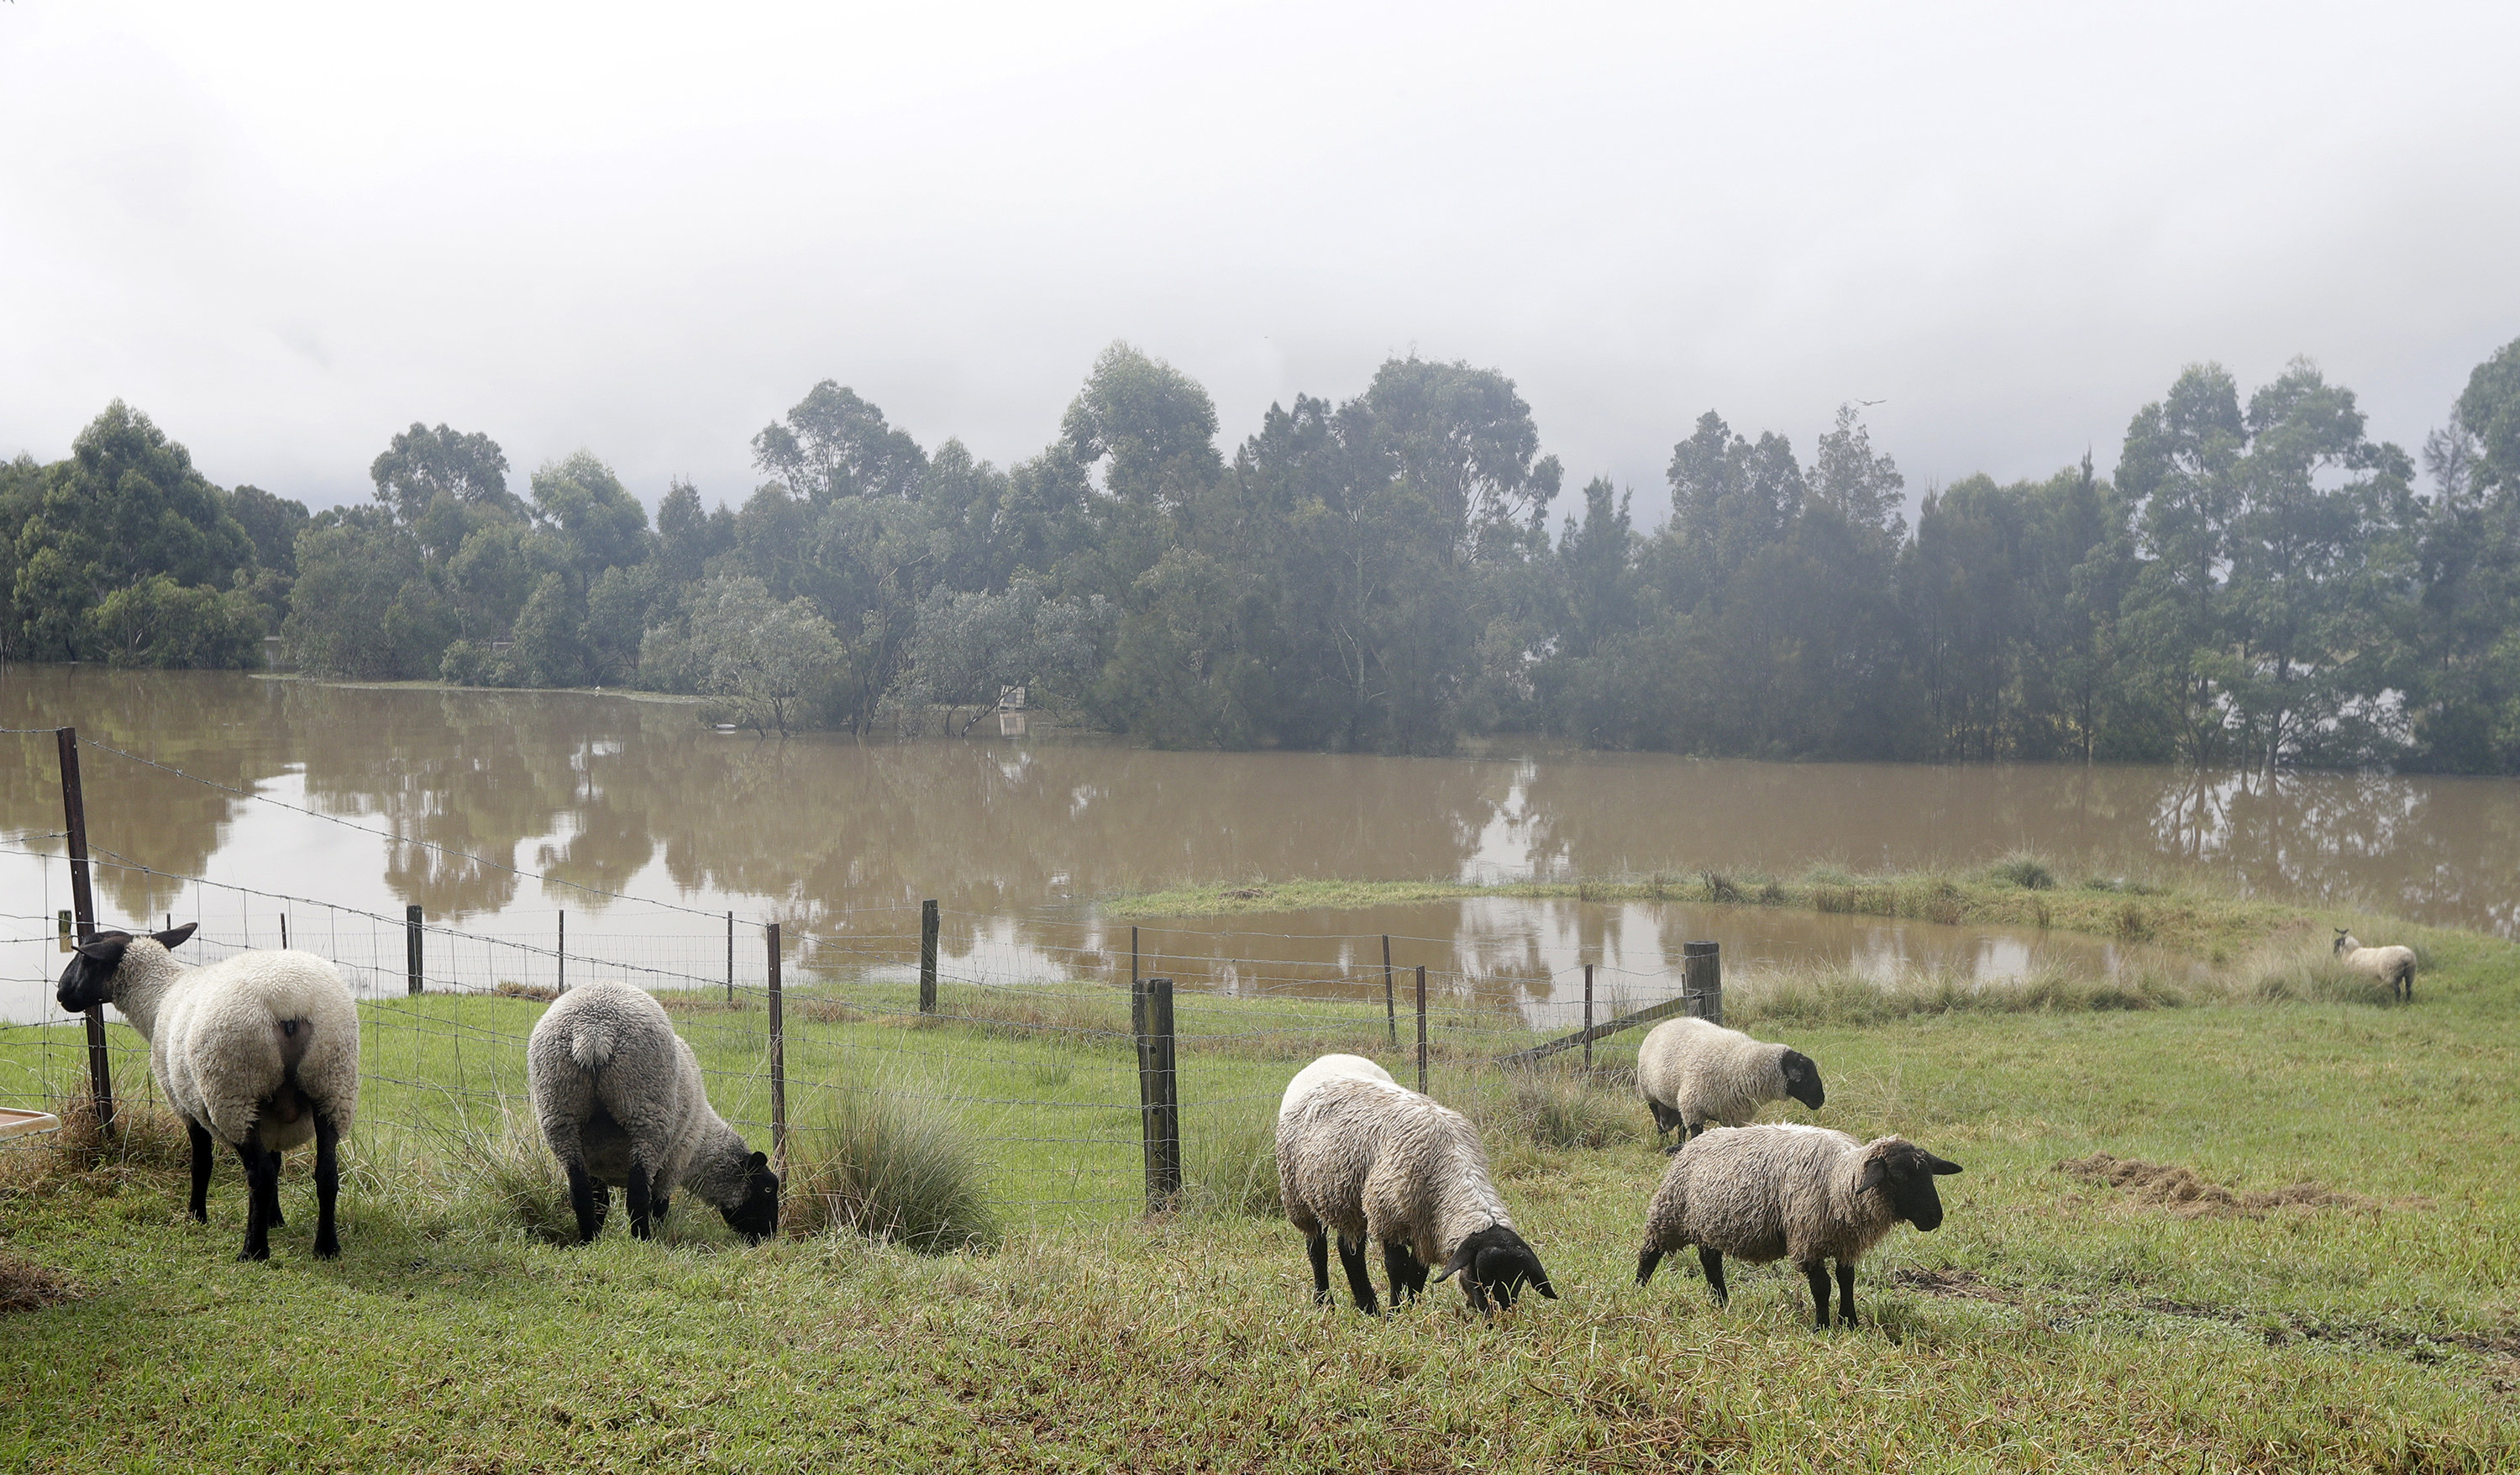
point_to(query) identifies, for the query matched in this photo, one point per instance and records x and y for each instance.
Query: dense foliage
(2258, 582)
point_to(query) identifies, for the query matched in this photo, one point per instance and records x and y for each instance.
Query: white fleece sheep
(620, 1097)
(2393, 965)
(1694, 1073)
(260, 1051)
(1371, 1158)
(1790, 1191)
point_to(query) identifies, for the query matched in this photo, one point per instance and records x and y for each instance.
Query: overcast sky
(287, 231)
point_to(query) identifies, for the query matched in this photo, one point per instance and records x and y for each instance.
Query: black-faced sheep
(1787, 1192)
(260, 1051)
(2393, 965)
(1366, 1158)
(620, 1100)
(1694, 1074)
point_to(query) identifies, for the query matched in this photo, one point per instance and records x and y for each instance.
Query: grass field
(2349, 1304)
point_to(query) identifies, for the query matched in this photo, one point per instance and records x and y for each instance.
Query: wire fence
(1033, 1050)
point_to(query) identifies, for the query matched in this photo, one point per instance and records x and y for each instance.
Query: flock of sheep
(261, 1052)
(1363, 1157)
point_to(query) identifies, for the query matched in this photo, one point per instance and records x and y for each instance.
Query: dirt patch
(2420, 1346)
(2190, 1195)
(25, 1285)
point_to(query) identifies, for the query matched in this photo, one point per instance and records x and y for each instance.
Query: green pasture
(2055, 1323)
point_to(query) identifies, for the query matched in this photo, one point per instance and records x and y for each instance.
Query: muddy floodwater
(337, 807)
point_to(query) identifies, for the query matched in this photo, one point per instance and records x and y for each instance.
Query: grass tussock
(897, 1169)
(1560, 1110)
(509, 988)
(1230, 1167)
(498, 1172)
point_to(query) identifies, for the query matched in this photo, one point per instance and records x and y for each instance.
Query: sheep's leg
(1317, 1249)
(1713, 1262)
(1359, 1284)
(201, 1151)
(257, 1229)
(271, 1214)
(328, 1185)
(582, 1190)
(1407, 1272)
(1845, 1294)
(658, 1209)
(1646, 1259)
(641, 1210)
(1817, 1273)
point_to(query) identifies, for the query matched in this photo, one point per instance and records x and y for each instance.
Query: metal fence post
(411, 949)
(729, 959)
(777, 1064)
(1422, 1029)
(561, 957)
(1701, 980)
(100, 1064)
(927, 924)
(1588, 1018)
(1390, 1007)
(1158, 1091)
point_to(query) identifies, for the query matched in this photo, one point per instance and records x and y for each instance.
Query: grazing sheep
(2392, 966)
(261, 1049)
(1330, 1068)
(1788, 1192)
(1371, 1158)
(1692, 1072)
(620, 1097)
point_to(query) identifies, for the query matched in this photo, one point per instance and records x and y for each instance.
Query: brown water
(1018, 838)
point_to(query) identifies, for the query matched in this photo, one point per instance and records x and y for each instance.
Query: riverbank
(2307, 1268)
(2028, 893)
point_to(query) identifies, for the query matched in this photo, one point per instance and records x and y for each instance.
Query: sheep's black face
(1802, 1080)
(1907, 1173)
(1496, 1261)
(88, 982)
(2344, 940)
(756, 1217)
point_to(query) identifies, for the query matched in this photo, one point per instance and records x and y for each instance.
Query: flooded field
(499, 812)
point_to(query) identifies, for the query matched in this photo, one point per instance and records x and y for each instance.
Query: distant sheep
(261, 1049)
(1790, 1191)
(1694, 1073)
(620, 1098)
(1369, 1158)
(2394, 966)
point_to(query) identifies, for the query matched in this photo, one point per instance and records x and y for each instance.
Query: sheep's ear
(106, 948)
(1876, 1174)
(177, 938)
(1943, 1167)
(1459, 1262)
(758, 1161)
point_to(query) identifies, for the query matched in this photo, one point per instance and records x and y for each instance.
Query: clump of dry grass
(146, 1140)
(25, 1285)
(509, 988)
(2190, 1195)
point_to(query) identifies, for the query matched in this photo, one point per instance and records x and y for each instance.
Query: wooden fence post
(1422, 1029)
(1588, 1018)
(927, 924)
(1701, 980)
(100, 1064)
(777, 1064)
(411, 949)
(1390, 1007)
(1158, 1091)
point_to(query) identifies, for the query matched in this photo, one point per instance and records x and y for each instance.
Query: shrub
(896, 1168)
(2024, 872)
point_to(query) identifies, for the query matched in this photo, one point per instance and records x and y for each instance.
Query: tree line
(2256, 582)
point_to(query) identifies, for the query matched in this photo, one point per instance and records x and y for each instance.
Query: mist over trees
(2254, 583)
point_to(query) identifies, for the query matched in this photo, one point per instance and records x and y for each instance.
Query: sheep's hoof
(327, 1249)
(252, 1252)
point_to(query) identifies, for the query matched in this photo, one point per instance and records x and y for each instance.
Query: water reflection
(1014, 835)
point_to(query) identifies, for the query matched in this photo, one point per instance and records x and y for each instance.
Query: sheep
(1691, 1072)
(619, 1097)
(260, 1051)
(1790, 1191)
(1371, 1158)
(2394, 966)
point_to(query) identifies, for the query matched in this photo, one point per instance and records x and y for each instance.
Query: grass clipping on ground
(2190, 1195)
